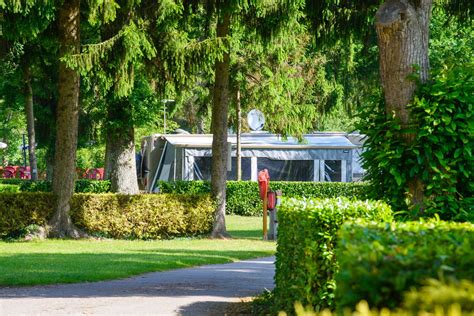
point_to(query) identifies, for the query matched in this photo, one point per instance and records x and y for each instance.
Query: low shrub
(363, 309)
(243, 197)
(307, 237)
(12, 181)
(82, 185)
(113, 215)
(19, 210)
(9, 188)
(92, 186)
(143, 216)
(380, 262)
(438, 294)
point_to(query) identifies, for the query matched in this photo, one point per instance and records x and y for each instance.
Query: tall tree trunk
(220, 107)
(121, 149)
(403, 34)
(67, 115)
(30, 121)
(108, 158)
(239, 132)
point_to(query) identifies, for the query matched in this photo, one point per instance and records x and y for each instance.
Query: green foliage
(307, 237)
(90, 157)
(92, 186)
(144, 216)
(9, 188)
(380, 262)
(82, 185)
(19, 210)
(243, 196)
(437, 294)
(441, 155)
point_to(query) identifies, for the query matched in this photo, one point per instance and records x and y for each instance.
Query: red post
(263, 181)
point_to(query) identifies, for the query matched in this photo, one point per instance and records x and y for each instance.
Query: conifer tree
(268, 18)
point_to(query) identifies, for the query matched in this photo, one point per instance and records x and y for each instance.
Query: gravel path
(205, 290)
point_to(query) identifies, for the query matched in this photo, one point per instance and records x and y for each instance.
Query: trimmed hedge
(307, 237)
(436, 294)
(9, 188)
(112, 215)
(19, 210)
(143, 216)
(82, 185)
(243, 197)
(380, 262)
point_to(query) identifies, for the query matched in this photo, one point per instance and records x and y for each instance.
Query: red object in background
(271, 200)
(95, 174)
(263, 181)
(10, 172)
(24, 172)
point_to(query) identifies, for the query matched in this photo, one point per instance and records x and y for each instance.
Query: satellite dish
(3, 145)
(256, 120)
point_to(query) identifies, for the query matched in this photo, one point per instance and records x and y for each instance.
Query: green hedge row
(307, 237)
(380, 262)
(9, 188)
(434, 294)
(82, 185)
(243, 196)
(143, 216)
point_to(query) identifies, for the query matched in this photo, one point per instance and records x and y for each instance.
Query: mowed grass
(69, 261)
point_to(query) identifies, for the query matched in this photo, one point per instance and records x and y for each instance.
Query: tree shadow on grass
(246, 234)
(216, 280)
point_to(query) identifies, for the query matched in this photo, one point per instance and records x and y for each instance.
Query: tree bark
(239, 132)
(67, 114)
(219, 119)
(108, 159)
(403, 34)
(121, 149)
(30, 121)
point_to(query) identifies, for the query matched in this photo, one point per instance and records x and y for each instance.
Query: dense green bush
(305, 258)
(82, 185)
(243, 196)
(143, 216)
(436, 294)
(379, 262)
(19, 210)
(9, 188)
(12, 181)
(440, 156)
(113, 215)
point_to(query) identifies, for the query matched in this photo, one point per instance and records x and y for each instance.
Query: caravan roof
(265, 140)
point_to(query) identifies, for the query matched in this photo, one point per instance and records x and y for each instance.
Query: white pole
(164, 117)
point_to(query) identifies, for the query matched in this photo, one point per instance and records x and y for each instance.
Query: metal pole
(239, 132)
(23, 148)
(265, 224)
(164, 117)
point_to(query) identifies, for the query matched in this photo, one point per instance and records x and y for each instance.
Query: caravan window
(333, 170)
(246, 169)
(287, 170)
(202, 168)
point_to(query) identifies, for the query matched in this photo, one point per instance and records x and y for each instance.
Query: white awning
(265, 141)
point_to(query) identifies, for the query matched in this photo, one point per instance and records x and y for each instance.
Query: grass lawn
(69, 261)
